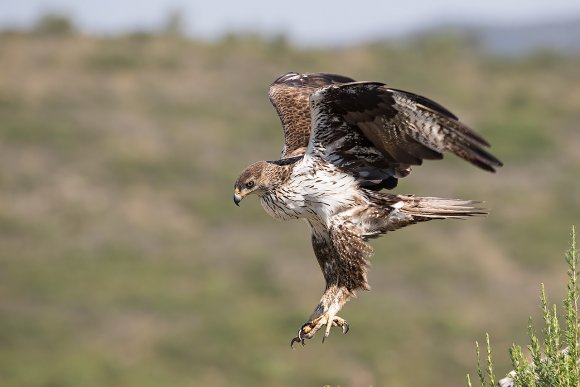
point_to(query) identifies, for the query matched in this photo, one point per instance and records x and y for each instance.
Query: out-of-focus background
(124, 262)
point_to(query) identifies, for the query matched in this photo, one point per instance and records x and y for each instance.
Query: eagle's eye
(250, 184)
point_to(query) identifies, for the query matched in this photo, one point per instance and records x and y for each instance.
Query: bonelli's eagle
(344, 142)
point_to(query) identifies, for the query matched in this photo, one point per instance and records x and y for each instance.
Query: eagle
(345, 143)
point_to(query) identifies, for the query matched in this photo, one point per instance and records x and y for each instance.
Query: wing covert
(289, 94)
(372, 130)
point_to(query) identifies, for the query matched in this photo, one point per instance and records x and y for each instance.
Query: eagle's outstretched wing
(376, 133)
(289, 94)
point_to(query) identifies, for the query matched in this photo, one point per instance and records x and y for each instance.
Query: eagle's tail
(389, 212)
(438, 208)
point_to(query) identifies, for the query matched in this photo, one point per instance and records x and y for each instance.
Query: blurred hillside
(558, 36)
(124, 262)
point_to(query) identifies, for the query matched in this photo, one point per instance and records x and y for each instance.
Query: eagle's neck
(281, 200)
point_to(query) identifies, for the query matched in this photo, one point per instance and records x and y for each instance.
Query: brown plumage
(289, 94)
(344, 142)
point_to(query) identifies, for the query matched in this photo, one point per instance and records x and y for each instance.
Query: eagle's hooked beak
(237, 197)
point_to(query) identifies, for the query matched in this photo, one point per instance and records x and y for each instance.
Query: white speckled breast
(316, 190)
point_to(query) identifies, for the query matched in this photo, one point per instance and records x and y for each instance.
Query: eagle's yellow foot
(309, 329)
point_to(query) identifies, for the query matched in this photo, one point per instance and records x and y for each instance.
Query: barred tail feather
(390, 212)
(439, 208)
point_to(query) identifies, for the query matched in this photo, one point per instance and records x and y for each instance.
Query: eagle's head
(254, 179)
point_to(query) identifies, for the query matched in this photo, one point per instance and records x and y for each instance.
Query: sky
(305, 22)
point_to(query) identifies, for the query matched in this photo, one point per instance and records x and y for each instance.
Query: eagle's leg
(341, 254)
(325, 314)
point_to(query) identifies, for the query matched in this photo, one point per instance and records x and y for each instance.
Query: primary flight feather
(344, 142)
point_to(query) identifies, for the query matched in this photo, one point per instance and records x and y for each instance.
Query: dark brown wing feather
(372, 130)
(289, 94)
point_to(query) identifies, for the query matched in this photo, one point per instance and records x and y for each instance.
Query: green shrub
(556, 362)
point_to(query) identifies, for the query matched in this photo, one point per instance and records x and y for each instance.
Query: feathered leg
(341, 254)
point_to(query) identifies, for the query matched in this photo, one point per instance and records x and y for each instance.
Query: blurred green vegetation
(124, 262)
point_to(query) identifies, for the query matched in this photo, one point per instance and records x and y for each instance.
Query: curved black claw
(299, 338)
(345, 327)
(296, 340)
(343, 324)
